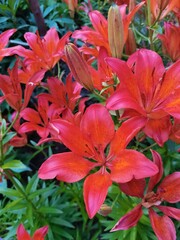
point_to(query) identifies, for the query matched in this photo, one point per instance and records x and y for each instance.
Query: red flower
(88, 144)
(39, 234)
(171, 41)
(4, 38)
(160, 8)
(12, 91)
(62, 95)
(46, 51)
(39, 120)
(147, 90)
(168, 190)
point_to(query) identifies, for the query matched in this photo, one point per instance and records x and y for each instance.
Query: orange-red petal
(67, 167)
(95, 190)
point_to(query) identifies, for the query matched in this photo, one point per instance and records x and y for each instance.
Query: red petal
(131, 164)
(67, 167)
(148, 69)
(169, 189)
(125, 134)
(156, 178)
(129, 220)
(121, 99)
(126, 76)
(4, 37)
(158, 129)
(162, 226)
(40, 233)
(134, 188)
(95, 190)
(170, 82)
(99, 22)
(170, 211)
(173, 104)
(72, 137)
(31, 115)
(22, 234)
(98, 125)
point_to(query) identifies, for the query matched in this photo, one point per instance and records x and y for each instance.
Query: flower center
(151, 199)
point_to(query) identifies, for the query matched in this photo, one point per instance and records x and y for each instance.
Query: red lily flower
(148, 90)
(171, 41)
(46, 51)
(12, 91)
(168, 190)
(88, 144)
(160, 8)
(4, 38)
(39, 120)
(62, 95)
(39, 234)
(98, 36)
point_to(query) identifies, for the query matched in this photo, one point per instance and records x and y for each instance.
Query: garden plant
(90, 120)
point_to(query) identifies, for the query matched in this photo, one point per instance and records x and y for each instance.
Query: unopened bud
(105, 210)
(115, 31)
(78, 66)
(130, 46)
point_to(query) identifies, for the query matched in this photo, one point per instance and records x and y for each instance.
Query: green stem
(149, 24)
(99, 96)
(115, 200)
(149, 147)
(11, 125)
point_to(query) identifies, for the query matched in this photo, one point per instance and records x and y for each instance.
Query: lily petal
(170, 211)
(169, 189)
(162, 226)
(22, 233)
(158, 129)
(72, 137)
(129, 220)
(95, 190)
(134, 188)
(125, 133)
(131, 164)
(67, 167)
(40, 233)
(98, 119)
(156, 178)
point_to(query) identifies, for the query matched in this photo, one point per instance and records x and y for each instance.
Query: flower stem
(147, 148)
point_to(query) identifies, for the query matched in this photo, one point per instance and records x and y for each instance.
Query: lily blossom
(168, 191)
(148, 90)
(88, 151)
(38, 120)
(46, 51)
(171, 41)
(160, 8)
(12, 91)
(39, 234)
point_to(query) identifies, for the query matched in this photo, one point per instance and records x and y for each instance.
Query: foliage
(90, 120)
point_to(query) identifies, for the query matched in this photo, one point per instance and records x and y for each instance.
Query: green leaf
(3, 126)
(8, 137)
(50, 210)
(10, 193)
(16, 166)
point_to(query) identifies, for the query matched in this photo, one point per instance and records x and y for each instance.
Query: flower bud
(78, 66)
(105, 210)
(115, 31)
(130, 46)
